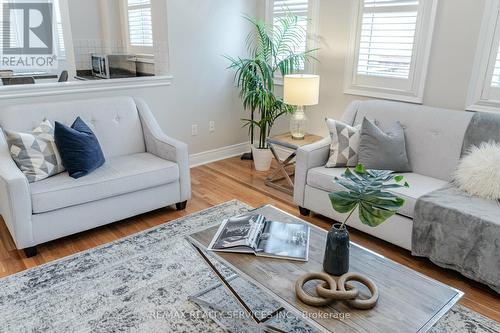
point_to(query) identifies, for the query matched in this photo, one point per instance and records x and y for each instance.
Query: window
(16, 28)
(306, 10)
(387, 38)
(16, 31)
(390, 46)
(139, 26)
(495, 80)
(59, 32)
(484, 90)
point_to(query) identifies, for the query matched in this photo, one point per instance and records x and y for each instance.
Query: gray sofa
(437, 221)
(144, 170)
(434, 140)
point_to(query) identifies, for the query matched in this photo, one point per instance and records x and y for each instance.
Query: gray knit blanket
(456, 230)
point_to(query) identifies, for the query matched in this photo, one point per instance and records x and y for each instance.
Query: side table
(286, 141)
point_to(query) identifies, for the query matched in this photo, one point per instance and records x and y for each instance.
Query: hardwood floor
(216, 183)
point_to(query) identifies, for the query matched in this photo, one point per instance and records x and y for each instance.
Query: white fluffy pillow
(478, 173)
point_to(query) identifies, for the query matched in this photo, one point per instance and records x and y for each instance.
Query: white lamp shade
(301, 89)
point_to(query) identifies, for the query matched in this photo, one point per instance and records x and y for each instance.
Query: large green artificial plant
(365, 190)
(272, 50)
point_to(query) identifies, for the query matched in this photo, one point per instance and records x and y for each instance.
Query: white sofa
(144, 170)
(434, 139)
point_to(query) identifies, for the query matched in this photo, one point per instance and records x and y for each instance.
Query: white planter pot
(262, 158)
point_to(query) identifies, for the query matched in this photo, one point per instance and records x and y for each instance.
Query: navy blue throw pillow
(79, 148)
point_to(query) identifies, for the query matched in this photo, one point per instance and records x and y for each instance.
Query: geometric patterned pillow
(35, 153)
(345, 144)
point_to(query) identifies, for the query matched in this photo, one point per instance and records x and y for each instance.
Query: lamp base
(298, 137)
(298, 124)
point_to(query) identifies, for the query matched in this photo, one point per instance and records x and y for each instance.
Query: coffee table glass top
(408, 302)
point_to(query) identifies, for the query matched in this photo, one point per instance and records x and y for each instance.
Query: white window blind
(16, 31)
(299, 8)
(495, 79)
(16, 28)
(387, 38)
(140, 24)
(59, 31)
(390, 48)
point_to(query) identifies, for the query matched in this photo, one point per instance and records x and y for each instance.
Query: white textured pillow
(478, 173)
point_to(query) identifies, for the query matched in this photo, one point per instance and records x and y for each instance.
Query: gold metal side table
(280, 173)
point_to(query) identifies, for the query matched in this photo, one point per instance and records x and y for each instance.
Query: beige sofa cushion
(119, 175)
(323, 178)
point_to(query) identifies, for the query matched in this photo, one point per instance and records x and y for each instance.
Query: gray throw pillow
(383, 151)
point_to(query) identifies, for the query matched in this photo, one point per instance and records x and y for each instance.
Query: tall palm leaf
(272, 51)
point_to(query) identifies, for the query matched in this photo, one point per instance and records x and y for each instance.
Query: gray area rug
(141, 284)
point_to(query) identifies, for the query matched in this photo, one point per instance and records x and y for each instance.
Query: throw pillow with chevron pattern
(345, 144)
(35, 153)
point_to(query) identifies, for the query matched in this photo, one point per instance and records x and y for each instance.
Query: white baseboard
(222, 153)
(218, 154)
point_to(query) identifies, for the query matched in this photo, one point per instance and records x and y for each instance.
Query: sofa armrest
(310, 156)
(15, 199)
(161, 145)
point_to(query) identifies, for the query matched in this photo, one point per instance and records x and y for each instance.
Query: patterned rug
(141, 284)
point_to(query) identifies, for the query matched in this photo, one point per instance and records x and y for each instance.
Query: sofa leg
(30, 251)
(304, 211)
(181, 205)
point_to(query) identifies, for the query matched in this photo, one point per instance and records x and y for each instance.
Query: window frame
(478, 97)
(137, 50)
(312, 30)
(406, 90)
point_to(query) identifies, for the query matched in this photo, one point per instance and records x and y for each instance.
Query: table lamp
(300, 90)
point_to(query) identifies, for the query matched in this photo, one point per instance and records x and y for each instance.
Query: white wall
(200, 32)
(454, 44)
(96, 27)
(85, 19)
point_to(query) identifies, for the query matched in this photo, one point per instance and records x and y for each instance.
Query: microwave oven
(113, 66)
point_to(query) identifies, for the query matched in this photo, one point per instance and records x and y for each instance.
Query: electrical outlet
(211, 126)
(194, 130)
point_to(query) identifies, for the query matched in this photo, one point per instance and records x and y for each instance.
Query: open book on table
(252, 233)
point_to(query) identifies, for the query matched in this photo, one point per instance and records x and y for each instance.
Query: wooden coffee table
(409, 301)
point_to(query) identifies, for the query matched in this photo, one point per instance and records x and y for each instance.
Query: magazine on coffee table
(252, 233)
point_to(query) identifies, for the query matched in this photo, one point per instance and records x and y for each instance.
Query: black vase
(336, 261)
